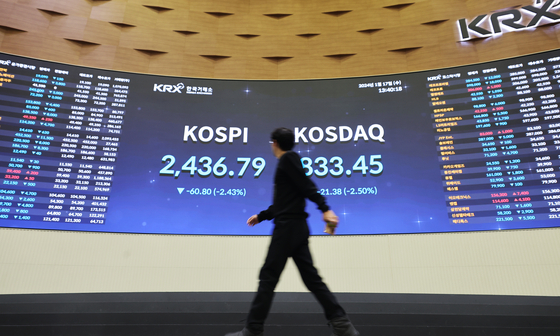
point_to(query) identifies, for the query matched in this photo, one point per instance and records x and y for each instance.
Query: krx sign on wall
(527, 17)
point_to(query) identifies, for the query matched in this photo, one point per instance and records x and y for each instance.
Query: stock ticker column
(497, 131)
(59, 139)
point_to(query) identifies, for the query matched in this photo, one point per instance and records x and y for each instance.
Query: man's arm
(305, 185)
(296, 172)
(263, 215)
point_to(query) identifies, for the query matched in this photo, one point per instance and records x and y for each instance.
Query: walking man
(290, 239)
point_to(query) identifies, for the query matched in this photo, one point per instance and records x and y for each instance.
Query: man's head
(284, 137)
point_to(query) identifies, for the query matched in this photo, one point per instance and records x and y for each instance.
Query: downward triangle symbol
(180, 190)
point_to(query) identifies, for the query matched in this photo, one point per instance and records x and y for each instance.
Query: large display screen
(458, 149)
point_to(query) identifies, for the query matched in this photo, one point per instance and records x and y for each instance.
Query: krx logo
(169, 88)
(510, 20)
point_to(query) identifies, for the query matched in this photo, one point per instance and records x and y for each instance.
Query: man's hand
(330, 217)
(332, 221)
(253, 220)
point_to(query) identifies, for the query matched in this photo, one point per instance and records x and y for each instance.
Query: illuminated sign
(180, 86)
(510, 20)
(169, 88)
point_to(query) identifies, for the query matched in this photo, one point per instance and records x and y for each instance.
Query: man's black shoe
(341, 326)
(245, 332)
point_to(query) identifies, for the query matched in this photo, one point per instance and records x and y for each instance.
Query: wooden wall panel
(355, 20)
(377, 39)
(275, 45)
(404, 37)
(357, 65)
(297, 67)
(98, 56)
(425, 58)
(260, 68)
(267, 25)
(433, 11)
(264, 6)
(417, 13)
(202, 44)
(338, 44)
(200, 22)
(318, 45)
(139, 15)
(336, 8)
(70, 27)
(231, 67)
(384, 62)
(27, 18)
(458, 53)
(109, 11)
(316, 22)
(352, 42)
(173, 20)
(539, 40)
(150, 40)
(174, 4)
(289, 25)
(73, 7)
(369, 37)
(197, 66)
(137, 37)
(24, 43)
(166, 40)
(131, 60)
(223, 6)
(46, 4)
(166, 64)
(379, 17)
(451, 9)
(307, 49)
(323, 65)
(234, 46)
(238, 24)
(444, 32)
(102, 32)
(60, 50)
(476, 7)
(286, 6)
(497, 47)
(6, 9)
(239, 47)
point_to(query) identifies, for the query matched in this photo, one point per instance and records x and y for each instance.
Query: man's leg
(268, 278)
(313, 282)
(338, 321)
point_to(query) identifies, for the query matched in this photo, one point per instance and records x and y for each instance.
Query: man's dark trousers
(289, 239)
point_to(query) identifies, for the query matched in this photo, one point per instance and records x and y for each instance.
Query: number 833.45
(320, 166)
